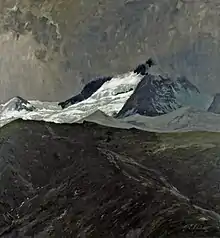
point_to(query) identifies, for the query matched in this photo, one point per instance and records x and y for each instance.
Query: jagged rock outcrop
(86, 180)
(156, 95)
(47, 47)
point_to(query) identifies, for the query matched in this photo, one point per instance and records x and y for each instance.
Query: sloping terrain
(215, 106)
(108, 97)
(102, 108)
(47, 47)
(102, 119)
(87, 180)
(183, 119)
(156, 95)
(86, 92)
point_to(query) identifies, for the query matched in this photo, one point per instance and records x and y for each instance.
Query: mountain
(126, 95)
(51, 49)
(149, 95)
(86, 92)
(107, 94)
(119, 156)
(156, 95)
(106, 91)
(16, 104)
(87, 180)
(215, 106)
(108, 97)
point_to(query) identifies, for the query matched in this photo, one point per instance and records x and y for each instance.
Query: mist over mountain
(51, 49)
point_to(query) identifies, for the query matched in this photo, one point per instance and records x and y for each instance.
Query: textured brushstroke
(50, 49)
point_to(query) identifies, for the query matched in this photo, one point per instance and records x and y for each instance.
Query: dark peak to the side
(156, 95)
(17, 104)
(153, 96)
(86, 92)
(215, 106)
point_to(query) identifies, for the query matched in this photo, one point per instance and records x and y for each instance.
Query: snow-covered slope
(182, 119)
(174, 105)
(109, 98)
(16, 104)
(87, 91)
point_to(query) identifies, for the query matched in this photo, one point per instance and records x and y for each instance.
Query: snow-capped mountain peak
(16, 104)
(106, 94)
(151, 95)
(156, 95)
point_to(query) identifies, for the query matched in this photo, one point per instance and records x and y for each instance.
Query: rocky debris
(87, 180)
(17, 104)
(157, 95)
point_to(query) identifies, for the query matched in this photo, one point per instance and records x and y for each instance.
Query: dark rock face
(87, 91)
(17, 104)
(143, 68)
(86, 180)
(215, 106)
(156, 95)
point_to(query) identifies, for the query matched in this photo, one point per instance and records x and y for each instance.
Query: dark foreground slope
(86, 180)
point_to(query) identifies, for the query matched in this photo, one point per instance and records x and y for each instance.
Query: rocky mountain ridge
(156, 95)
(152, 95)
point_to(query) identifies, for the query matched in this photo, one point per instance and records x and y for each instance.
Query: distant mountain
(105, 100)
(149, 95)
(182, 119)
(157, 95)
(16, 104)
(108, 94)
(215, 106)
